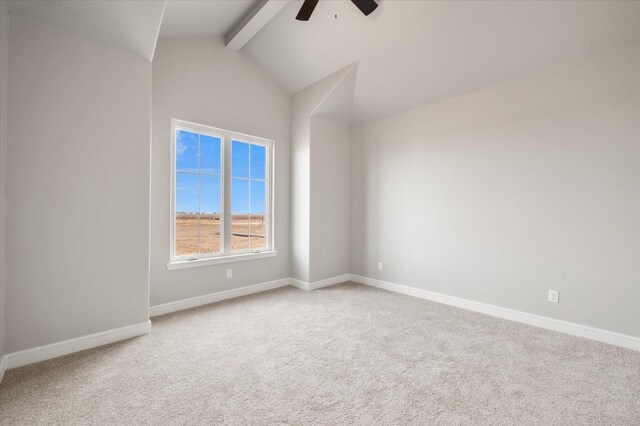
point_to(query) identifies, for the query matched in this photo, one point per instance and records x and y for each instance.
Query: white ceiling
(415, 52)
(337, 105)
(128, 25)
(213, 18)
(408, 52)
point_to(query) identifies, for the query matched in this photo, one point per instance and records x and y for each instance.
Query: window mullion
(266, 216)
(223, 194)
(199, 190)
(226, 222)
(249, 188)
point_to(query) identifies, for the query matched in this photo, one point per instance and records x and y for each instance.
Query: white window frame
(226, 255)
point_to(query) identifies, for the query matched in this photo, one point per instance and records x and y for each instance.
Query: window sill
(181, 264)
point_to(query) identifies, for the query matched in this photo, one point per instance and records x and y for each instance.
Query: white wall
(502, 194)
(201, 81)
(329, 214)
(77, 187)
(304, 104)
(4, 71)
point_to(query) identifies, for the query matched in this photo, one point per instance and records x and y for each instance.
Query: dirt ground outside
(200, 233)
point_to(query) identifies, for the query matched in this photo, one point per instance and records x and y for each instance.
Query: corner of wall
(331, 99)
(3, 366)
(4, 44)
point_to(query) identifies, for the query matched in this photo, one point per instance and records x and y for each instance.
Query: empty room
(319, 212)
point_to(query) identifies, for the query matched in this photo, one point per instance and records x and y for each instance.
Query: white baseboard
(193, 302)
(307, 286)
(54, 350)
(42, 353)
(579, 330)
(3, 366)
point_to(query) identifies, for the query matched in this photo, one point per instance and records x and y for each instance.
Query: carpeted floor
(347, 354)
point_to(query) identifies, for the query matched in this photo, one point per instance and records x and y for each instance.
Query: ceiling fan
(365, 6)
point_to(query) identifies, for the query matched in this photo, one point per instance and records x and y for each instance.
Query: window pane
(186, 193)
(239, 196)
(258, 226)
(209, 154)
(210, 209)
(186, 226)
(239, 214)
(258, 197)
(257, 220)
(240, 159)
(258, 161)
(210, 194)
(186, 151)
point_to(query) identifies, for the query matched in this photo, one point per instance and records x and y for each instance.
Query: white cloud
(181, 147)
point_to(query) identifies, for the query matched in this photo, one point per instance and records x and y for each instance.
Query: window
(220, 196)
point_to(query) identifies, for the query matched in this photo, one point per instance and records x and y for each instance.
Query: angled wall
(329, 201)
(77, 187)
(320, 134)
(4, 71)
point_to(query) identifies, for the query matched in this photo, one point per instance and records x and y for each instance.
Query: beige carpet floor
(347, 354)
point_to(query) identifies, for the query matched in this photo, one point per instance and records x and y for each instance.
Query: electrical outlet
(229, 273)
(553, 296)
(379, 266)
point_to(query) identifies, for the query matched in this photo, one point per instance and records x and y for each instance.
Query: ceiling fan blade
(306, 10)
(365, 6)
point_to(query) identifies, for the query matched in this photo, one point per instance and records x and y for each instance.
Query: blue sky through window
(198, 166)
(187, 152)
(247, 162)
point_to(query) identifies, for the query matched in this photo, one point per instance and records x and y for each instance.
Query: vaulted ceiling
(127, 25)
(189, 18)
(409, 52)
(414, 52)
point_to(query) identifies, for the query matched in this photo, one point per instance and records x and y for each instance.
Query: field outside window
(217, 175)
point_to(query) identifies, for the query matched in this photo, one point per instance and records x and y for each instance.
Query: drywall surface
(504, 193)
(4, 71)
(301, 107)
(330, 204)
(303, 104)
(200, 81)
(130, 26)
(77, 187)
